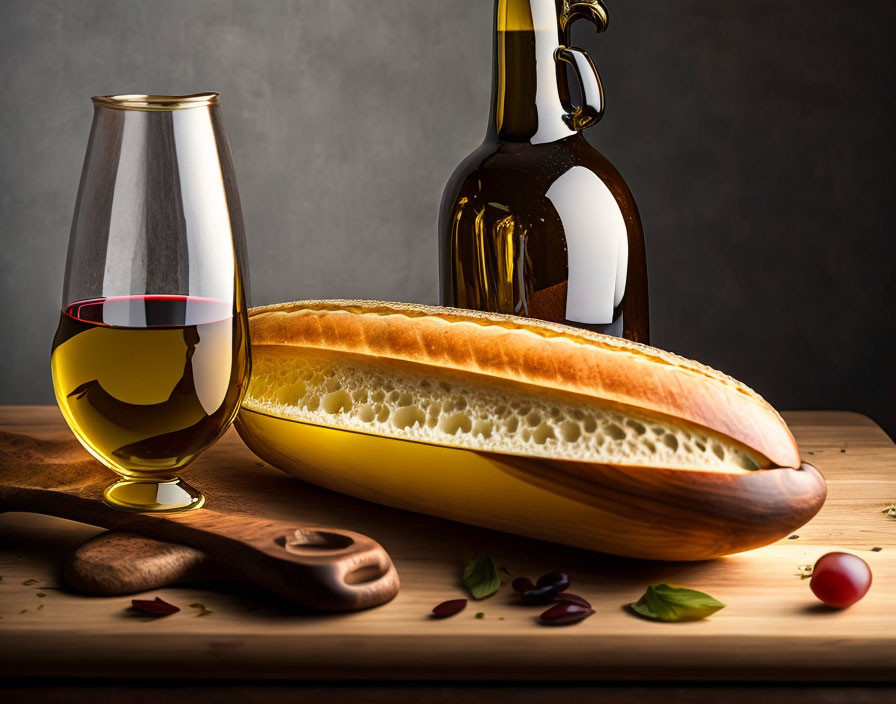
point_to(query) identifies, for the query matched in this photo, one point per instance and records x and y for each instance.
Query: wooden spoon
(114, 563)
(318, 567)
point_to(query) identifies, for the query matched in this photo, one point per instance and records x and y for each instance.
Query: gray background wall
(756, 136)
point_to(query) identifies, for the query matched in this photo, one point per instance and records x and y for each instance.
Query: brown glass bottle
(536, 222)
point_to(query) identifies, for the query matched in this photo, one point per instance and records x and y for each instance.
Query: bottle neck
(528, 85)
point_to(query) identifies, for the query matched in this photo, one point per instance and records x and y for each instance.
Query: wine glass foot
(147, 496)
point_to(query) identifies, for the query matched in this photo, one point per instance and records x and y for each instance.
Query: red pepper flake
(566, 597)
(156, 607)
(449, 608)
(561, 614)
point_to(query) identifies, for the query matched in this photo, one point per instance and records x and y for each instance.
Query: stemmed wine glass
(151, 358)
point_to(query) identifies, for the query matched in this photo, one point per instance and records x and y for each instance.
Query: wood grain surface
(772, 628)
(320, 567)
(116, 563)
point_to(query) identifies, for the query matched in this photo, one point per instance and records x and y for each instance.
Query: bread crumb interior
(407, 401)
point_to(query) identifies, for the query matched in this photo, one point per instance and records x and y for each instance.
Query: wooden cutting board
(772, 628)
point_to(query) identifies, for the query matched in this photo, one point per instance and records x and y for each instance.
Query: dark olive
(556, 579)
(522, 584)
(564, 613)
(539, 595)
(572, 599)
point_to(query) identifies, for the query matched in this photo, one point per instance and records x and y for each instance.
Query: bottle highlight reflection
(536, 222)
(151, 356)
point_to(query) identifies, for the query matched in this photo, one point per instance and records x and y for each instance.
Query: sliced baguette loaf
(527, 427)
(504, 384)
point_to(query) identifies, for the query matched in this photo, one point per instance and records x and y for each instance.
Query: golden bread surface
(557, 358)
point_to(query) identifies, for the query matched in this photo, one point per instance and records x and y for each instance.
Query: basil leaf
(481, 577)
(662, 602)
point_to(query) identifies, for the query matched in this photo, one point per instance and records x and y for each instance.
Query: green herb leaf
(480, 614)
(662, 602)
(481, 577)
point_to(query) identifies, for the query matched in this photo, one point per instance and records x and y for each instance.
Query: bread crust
(538, 353)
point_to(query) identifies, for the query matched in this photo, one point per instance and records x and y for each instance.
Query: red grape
(840, 579)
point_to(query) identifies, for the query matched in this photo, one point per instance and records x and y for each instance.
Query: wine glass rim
(155, 103)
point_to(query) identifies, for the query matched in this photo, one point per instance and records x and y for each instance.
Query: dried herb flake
(663, 602)
(804, 571)
(203, 609)
(29, 582)
(890, 510)
(40, 595)
(480, 614)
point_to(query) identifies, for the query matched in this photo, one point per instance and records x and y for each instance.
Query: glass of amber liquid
(151, 358)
